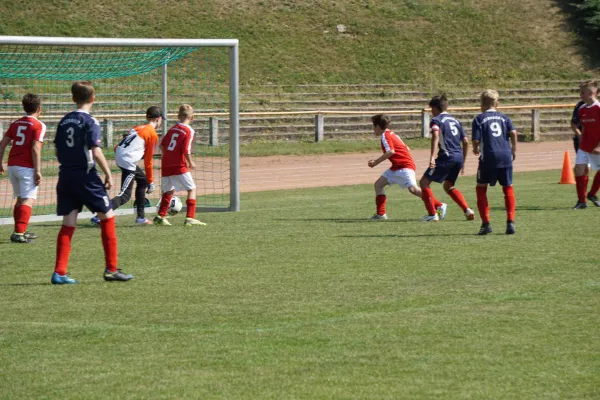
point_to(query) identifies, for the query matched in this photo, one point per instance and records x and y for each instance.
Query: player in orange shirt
(137, 145)
(402, 171)
(27, 134)
(175, 164)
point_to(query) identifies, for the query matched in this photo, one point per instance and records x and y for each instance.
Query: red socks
(21, 214)
(164, 204)
(380, 202)
(459, 199)
(191, 208)
(429, 200)
(581, 185)
(63, 249)
(510, 202)
(109, 242)
(595, 184)
(482, 204)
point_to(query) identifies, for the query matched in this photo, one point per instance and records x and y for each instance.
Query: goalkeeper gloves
(150, 188)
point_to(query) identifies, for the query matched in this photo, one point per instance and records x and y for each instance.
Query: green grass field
(299, 296)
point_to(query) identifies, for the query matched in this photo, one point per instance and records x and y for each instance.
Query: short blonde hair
(185, 112)
(489, 98)
(592, 85)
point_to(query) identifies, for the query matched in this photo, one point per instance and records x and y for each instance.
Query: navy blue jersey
(575, 117)
(451, 136)
(76, 134)
(492, 129)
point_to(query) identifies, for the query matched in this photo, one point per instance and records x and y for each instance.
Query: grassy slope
(298, 296)
(433, 42)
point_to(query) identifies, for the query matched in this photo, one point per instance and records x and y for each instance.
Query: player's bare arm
(3, 143)
(188, 159)
(382, 158)
(435, 141)
(513, 144)
(36, 152)
(101, 161)
(476, 147)
(465, 147)
(576, 130)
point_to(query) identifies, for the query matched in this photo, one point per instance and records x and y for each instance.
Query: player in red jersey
(27, 134)
(588, 117)
(402, 171)
(175, 164)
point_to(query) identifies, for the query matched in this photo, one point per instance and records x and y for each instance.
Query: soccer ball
(175, 205)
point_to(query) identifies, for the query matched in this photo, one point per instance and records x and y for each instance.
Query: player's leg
(127, 179)
(592, 194)
(380, 197)
(25, 190)
(140, 196)
(186, 182)
(483, 179)
(168, 189)
(428, 197)
(455, 194)
(505, 180)
(68, 205)
(96, 199)
(581, 178)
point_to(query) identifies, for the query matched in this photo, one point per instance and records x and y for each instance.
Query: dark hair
(440, 102)
(83, 92)
(153, 113)
(381, 120)
(31, 103)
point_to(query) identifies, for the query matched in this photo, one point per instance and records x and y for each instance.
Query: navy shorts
(444, 171)
(76, 189)
(491, 175)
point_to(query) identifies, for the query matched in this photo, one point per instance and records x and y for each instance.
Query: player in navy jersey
(77, 142)
(495, 142)
(448, 138)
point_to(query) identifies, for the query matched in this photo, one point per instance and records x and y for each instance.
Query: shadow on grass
(347, 220)
(533, 208)
(47, 283)
(407, 235)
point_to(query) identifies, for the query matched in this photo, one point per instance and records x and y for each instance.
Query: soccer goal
(129, 76)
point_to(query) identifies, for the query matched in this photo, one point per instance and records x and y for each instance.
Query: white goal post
(129, 75)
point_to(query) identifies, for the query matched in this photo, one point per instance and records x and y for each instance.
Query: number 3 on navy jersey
(70, 141)
(173, 142)
(496, 129)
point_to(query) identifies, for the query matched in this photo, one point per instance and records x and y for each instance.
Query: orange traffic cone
(567, 176)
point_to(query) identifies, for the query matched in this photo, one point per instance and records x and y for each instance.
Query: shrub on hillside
(590, 13)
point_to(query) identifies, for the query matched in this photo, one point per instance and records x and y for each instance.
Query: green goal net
(129, 76)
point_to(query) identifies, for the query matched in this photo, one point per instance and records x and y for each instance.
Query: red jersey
(23, 132)
(175, 145)
(589, 119)
(401, 158)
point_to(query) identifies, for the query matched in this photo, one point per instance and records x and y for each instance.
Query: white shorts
(23, 182)
(177, 182)
(404, 177)
(583, 157)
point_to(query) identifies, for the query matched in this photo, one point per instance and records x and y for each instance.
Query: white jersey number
(173, 142)
(496, 129)
(453, 128)
(20, 135)
(70, 141)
